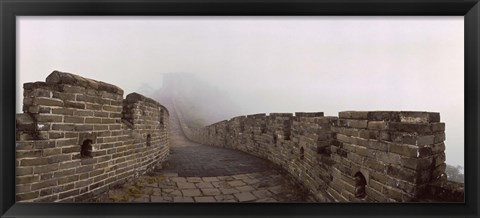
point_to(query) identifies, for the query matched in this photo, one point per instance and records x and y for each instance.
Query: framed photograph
(257, 108)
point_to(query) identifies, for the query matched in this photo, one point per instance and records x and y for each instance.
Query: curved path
(189, 159)
(202, 173)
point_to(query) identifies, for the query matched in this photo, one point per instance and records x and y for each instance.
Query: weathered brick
(33, 161)
(67, 142)
(27, 100)
(116, 103)
(393, 193)
(99, 153)
(62, 111)
(84, 176)
(83, 127)
(28, 153)
(33, 109)
(88, 161)
(96, 185)
(102, 101)
(100, 127)
(85, 98)
(115, 115)
(24, 145)
(402, 173)
(59, 158)
(100, 178)
(375, 195)
(375, 165)
(67, 165)
(389, 116)
(419, 128)
(438, 127)
(75, 104)
(93, 120)
(108, 120)
(358, 115)
(100, 165)
(379, 177)
(419, 117)
(48, 118)
(64, 127)
(72, 89)
(39, 93)
(51, 151)
(22, 188)
(22, 171)
(74, 119)
(70, 149)
(101, 114)
(71, 134)
(111, 108)
(83, 183)
(68, 194)
(96, 172)
(65, 187)
(51, 198)
(90, 106)
(439, 159)
(417, 164)
(355, 158)
(351, 123)
(83, 113)
(26, 196)
(84, 169)
(68, 179)
(44, 184)
(378, 125)
(439, 137)
(44, 110)
(26, 179)
(64, 96)
(47, 101)
(114, 126)
(404, 149)
(45, 192)
(56, 135)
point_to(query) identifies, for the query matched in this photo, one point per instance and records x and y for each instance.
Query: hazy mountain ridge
(201, 103)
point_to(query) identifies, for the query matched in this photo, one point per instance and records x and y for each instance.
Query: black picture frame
(9, 9)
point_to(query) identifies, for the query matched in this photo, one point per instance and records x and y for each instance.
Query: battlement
(78, 137)
(359, 156)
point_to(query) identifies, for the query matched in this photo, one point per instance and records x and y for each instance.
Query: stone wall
(368, 156)
(77, 137)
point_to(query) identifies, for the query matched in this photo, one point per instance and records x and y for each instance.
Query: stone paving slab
(141, 190)
(245, 196)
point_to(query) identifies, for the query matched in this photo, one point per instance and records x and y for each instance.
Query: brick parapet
(60, 115)
(399, 154)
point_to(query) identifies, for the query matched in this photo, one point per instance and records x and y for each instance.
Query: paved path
(201, 173)
(192, 159)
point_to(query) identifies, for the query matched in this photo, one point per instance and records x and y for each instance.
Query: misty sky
(266, 64)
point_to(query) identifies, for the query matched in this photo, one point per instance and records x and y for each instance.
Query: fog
(246, 65)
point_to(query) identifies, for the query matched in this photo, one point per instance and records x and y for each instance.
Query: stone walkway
(201, 173)
(249, 187)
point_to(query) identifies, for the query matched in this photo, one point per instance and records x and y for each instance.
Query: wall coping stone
(392, 116)
(57, 77)
(135, 97)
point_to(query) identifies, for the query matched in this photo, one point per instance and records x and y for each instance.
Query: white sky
(267, 64)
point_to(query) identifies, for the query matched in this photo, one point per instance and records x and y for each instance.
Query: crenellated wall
(360, 156)
(121, 138)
